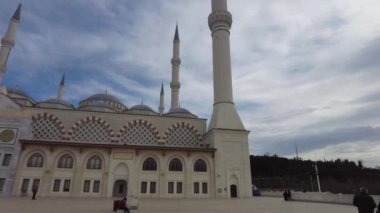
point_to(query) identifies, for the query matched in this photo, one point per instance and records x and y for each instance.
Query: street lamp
(316, 173)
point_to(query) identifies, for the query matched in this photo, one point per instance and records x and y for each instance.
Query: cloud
(305, 71)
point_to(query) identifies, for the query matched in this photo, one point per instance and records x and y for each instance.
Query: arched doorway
(233, 191)
(120, 188)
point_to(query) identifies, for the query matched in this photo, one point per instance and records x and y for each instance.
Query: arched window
(150, 165)
(66, 161)
(200, 166)
(36, 160)
(175, 165)
(94, 163)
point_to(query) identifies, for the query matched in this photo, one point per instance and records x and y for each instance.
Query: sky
(305, 73)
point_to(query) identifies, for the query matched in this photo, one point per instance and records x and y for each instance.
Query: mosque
(102, 148)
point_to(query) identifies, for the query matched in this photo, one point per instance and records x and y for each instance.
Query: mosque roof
(179, 110)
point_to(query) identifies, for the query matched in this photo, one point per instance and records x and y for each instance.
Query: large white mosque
(103, 148)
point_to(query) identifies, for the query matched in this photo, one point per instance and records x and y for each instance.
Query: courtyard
(94, 205)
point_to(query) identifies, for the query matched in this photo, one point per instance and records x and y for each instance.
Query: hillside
(338, 176)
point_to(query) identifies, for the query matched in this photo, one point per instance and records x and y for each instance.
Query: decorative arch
(183, 134)
(46, 126)
(91, 129)
(138, 132)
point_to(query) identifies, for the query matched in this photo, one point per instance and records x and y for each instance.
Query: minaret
(226, 132)
(224, 115)
(162, 107)
(176, 61)
(8, 41)
(61, 87)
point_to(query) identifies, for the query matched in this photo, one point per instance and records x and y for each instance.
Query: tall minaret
(8, 41)
(226, 132)
(161, 108)
(224, 115)
(176, 61)
(61, 87)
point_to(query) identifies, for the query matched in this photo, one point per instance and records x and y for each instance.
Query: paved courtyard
(94, 205)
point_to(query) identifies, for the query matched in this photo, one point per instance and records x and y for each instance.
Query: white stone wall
(117, 164)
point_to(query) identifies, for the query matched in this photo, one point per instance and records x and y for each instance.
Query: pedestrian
(286, 195)
(364, 202)
(289, 195)
(34, 190)
(124, 205)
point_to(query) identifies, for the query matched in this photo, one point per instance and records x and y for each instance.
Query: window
(86, 186)
(179, 187)
(196, 188)
(7, 159)
(66, 186)
(2, 182)
(94, 163)
(36, 160)
(171, 187)
(200, 166)
(150, 165)
(204, 188)
(143, 187)
(175, 165)
(66, 161)
(24, 186)
(36, 183)
(57, 185)
(152, 189)
(96, 187)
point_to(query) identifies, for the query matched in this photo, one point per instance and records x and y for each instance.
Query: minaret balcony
(7, 43)
(220, 19)
(176, 61)
(175, 85)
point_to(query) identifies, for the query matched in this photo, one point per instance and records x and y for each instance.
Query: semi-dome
(141, 109)
(180, 112)
(102, 100)
(55, 103)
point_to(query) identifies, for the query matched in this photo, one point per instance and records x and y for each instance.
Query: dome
(20, 97)
(102, 101)
(180, 112)
(104, 97)
(141, 109)
(18, 92)
(55, 101)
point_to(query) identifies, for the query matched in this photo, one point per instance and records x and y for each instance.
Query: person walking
(34, 191)
(364, 202)
(124, 205)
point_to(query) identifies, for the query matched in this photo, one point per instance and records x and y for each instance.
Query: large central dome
(102, 102)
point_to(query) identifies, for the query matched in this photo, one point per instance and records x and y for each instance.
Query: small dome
(17, 91)
(54, 101)
(180, 112)
(103, 100)
(141, 109)
(20, 97)
(99, 106)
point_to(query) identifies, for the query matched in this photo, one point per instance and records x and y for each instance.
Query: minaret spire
(224, 115)
(61, 87)
(176, 62)
(161, 108)
(8, 41)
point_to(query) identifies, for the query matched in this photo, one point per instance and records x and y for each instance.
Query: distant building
(105, 149)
